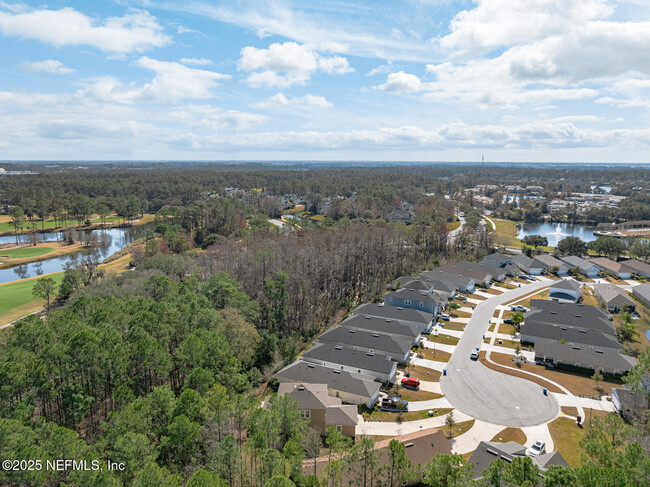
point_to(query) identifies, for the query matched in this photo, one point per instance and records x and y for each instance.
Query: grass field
(507, 232)
(442, 338)
(6, 226)
(16, 299)
(451, 325)
(24, 252)
(423, 373)
(419, 395)
(386, 417)
(510, 434)
(436, 355)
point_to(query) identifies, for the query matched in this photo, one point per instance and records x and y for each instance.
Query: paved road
(485, 393)
(454, 233)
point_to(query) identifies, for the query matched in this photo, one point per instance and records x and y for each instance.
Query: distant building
(613, 268)
(528, 265)
(614, 298)
(585, 267)
(642, 293)
(551, 264)
(639, 268)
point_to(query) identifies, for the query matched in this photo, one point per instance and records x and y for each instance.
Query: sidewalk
(481, 431)
(376, 428)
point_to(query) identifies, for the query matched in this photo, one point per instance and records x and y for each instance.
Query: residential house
(421, 319)
(479, 275)
(566, 290)
(349, 387)
(409, 282)
(639, 268)
(405, 216)
(614, 298)
(585, 267)
(527, 264)
(491, 451)
(568, 334)
(613, 268)
(551, 264)
(431, 302)
(397, 348)
(633, 404)
(503, 262)
(322, 410)
(464, 283)
(376, 365)
(384, 326)
(419, 448)
(642, 293)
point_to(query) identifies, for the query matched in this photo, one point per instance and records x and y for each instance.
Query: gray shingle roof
(570, 335)
(569, 315)
(525, 262)
(642, 293)
(343, 415)
(390, 312)
(610, 265)
(350, 357)
(549, 262)
(613, 295)
(301, 371)
(637, 266)
(583, 264)
(415, 295)
(490, 451)
(569, 284)
(380, 342)
(586, 356)
(451, 277)
(382, 325)
(308, 396)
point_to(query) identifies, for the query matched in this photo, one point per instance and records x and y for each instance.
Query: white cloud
(196, 62)
(136, 31)
(172, 82)
(48, 66)
(279, 100)
(297, 61)
(401, 82)
(186, 30)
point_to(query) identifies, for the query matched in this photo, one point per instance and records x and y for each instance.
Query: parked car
(507, 321)
(393, 404)
(518, 307)
(463, 298)
(445, 316)
(538, 448)
(411, 382)
(474, 355)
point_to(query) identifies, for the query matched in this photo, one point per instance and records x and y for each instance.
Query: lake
(112, 239)
(555, 232)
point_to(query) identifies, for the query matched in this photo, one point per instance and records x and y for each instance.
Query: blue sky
(440, 80)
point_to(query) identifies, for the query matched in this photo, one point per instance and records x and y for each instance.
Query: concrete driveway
(489, 395)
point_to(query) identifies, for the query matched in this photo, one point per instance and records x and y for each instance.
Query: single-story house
(431, 302)
(463, 283)
(468, 269)
(566, 289)
(632, 404)
(527, 264)
(443, 286)
(383, 326)
(613, 268)
(585, 267)
(642, 293)
(421, 319)
(551, 264)
(639, 268)
(409, 282)
(490, 451)
(583, 356)
(614, 298)
(322, 410)
(419, 447)
(395, 347)
(501, 261)
(349, 387)
(376, 365)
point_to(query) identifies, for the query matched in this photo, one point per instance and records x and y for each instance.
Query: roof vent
(576, 348)
(367, 317)
(388, 321)
(311, 366)
(399, 308)
(375, 335)
(301, 388)
(336, 371)
(553, 312)
(352, 331)
(338, 347)
(409, 445)
(599, 351)
(370, 354)
(578, 316)
(492, 452)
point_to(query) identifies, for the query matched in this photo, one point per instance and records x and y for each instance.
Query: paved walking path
(429, 364)
(377, 428)
(440, 403)
(446, 331)
(442, 347)
(585, 402)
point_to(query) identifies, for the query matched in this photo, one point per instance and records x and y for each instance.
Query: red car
(410, 382)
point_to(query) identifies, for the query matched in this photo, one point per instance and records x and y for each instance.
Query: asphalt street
(489, 395)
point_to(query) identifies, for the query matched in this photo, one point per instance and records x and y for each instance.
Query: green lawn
(25, 252)
(16, 299)
(442, 338)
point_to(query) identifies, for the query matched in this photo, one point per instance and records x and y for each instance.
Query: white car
(445, 316)
(538, 448)
(474, 355)
(519, 307)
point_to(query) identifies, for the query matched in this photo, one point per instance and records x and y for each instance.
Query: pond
(555, 232)
(112, 240)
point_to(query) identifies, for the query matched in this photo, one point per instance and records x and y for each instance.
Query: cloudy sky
(440, 80)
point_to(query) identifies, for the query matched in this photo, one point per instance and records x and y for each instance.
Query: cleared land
(507, 232)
